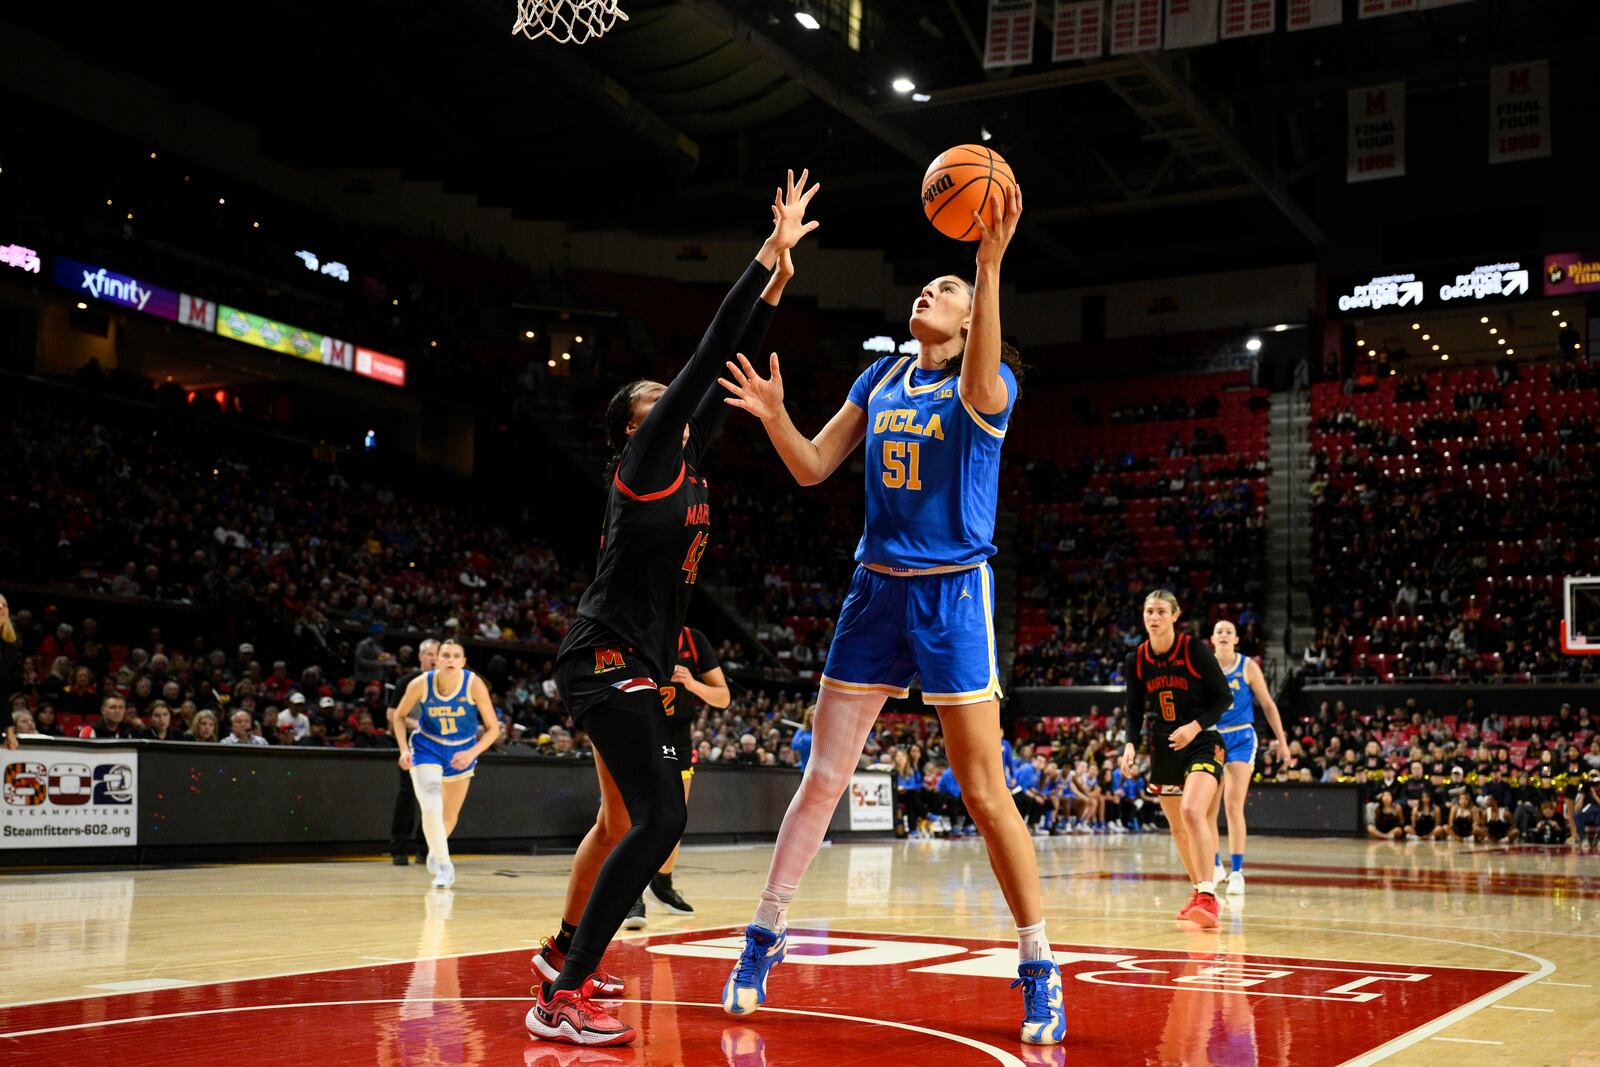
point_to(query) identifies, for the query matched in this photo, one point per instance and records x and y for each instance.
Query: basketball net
(567, 21)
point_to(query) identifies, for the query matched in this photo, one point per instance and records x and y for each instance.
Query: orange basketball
(962, 180)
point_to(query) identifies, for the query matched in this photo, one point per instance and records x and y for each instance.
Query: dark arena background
(309, 319)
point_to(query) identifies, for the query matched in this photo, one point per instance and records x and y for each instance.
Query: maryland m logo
(607, 659)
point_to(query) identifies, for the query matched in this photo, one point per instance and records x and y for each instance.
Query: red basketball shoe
(1183, 912)
(1203, 913)
(572, 1016)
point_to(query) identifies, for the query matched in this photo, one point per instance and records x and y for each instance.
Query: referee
(405, 825)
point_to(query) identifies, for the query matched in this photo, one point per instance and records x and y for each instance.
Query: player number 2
(902, 464)
(691, 561)
(669, 697)
(1168, 711)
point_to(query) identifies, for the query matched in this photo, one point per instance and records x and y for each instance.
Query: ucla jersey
(448, 720)
(1243, 712)
(933, 467)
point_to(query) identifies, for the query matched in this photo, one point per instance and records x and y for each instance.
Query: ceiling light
(1511, 351)
(903, 84)
(1555, 313)
(1360, 343)
(433, 344)
(1253, 345)
(566, 355)
(395, 302)
(528, 334)
(1427, 337)
(130, 216)
(1563, 324)
(578, 340)
(82, 306)
(152, 155)
(550, 363)
(108, 203)
(983, 132)
(222, 200)
(1282, 326)
(1436, 348)
(1416, 325)
(1446, 357)
(1493, 330)
(921, 98)
(808, 20)
(1372, 351)
(1484, 319)
(255, 225)
(1500, 341)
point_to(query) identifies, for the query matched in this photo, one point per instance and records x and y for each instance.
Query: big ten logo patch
(67, 785)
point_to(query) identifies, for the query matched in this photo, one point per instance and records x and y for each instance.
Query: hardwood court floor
(1340, 952)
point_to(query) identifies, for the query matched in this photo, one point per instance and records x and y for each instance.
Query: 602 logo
(67, 785)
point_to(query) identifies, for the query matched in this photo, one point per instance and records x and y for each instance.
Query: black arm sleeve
(711, 411)
(1215, 698)
(1135, 700)
(655, 452)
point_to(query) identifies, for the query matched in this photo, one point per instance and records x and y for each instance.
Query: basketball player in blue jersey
(456, 724)
(921, 600)
(1238, 729)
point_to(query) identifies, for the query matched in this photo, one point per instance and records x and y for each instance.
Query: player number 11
(902, 464)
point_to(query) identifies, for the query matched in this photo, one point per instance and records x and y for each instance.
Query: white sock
(1207, 887)
(773, 911)
(427, 782)
(1032, 944)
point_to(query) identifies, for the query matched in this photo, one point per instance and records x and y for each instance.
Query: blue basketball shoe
(1044, 1011)
(746, 988)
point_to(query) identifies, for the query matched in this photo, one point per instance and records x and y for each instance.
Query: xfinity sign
(114, 288)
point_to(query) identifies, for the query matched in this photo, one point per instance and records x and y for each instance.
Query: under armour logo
(669, 752)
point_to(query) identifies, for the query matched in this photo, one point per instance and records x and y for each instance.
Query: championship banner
(69, 796)
(1571, 272)
(268, 333)
(1313, 14)
(1371, 9)
(1077, 30)
(1248, 18)
(871, 802)
(1519, 112)
(1377, 144)
(1135, 26)
(1191, 23)
(1008, 41)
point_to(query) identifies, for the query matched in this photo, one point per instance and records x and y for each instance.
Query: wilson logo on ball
(942, 183)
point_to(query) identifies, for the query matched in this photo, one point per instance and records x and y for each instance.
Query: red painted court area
(841, 998)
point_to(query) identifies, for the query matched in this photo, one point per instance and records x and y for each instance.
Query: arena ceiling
(678, 121)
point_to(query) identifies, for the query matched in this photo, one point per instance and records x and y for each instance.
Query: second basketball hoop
(567, 21)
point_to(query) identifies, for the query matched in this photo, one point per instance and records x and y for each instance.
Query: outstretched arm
(981, 384)
(711, 411)
(655, 453)
(1269, 707)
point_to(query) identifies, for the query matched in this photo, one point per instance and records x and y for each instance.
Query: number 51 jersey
(933, 466)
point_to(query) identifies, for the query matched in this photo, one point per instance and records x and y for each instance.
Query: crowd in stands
(1138, 514)
(1446, 508)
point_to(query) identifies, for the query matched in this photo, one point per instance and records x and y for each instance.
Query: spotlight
(921, 98)
(1253, 345)
(903, 84)
(983, 132)
(808, 20)
(1282, 326)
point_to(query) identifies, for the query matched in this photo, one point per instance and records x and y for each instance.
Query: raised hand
(761, 397)
(789, 210)
(994, 239)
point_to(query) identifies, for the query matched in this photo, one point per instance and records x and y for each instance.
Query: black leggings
(634, 738)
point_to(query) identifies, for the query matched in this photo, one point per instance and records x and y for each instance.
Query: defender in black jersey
(1176, 681)
(622, 646)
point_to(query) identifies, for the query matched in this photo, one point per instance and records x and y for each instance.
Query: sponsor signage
(1571, 272)
(268, 333)
(1437, 287)
(380, 368)
(1077, 29)
(1008, 40)
(1519, 112)
(68, 796)
(337, 353)
(19, 257)
(197, 312)
(1377, 143)
(124, 290)
(332, 268)
(871, 802)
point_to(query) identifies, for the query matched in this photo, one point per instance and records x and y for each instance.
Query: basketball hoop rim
(1569, 649)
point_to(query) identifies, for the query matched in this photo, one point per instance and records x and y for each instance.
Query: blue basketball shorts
(894, 628)
(425, 749)
(1241, 745)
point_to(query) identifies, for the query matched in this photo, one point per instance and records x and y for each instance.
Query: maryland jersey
(933, 467)
(1243, 712)
(449, 719)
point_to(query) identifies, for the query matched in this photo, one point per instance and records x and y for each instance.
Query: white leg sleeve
(428, 782)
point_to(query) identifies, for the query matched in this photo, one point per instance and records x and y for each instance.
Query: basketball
(959, 181)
